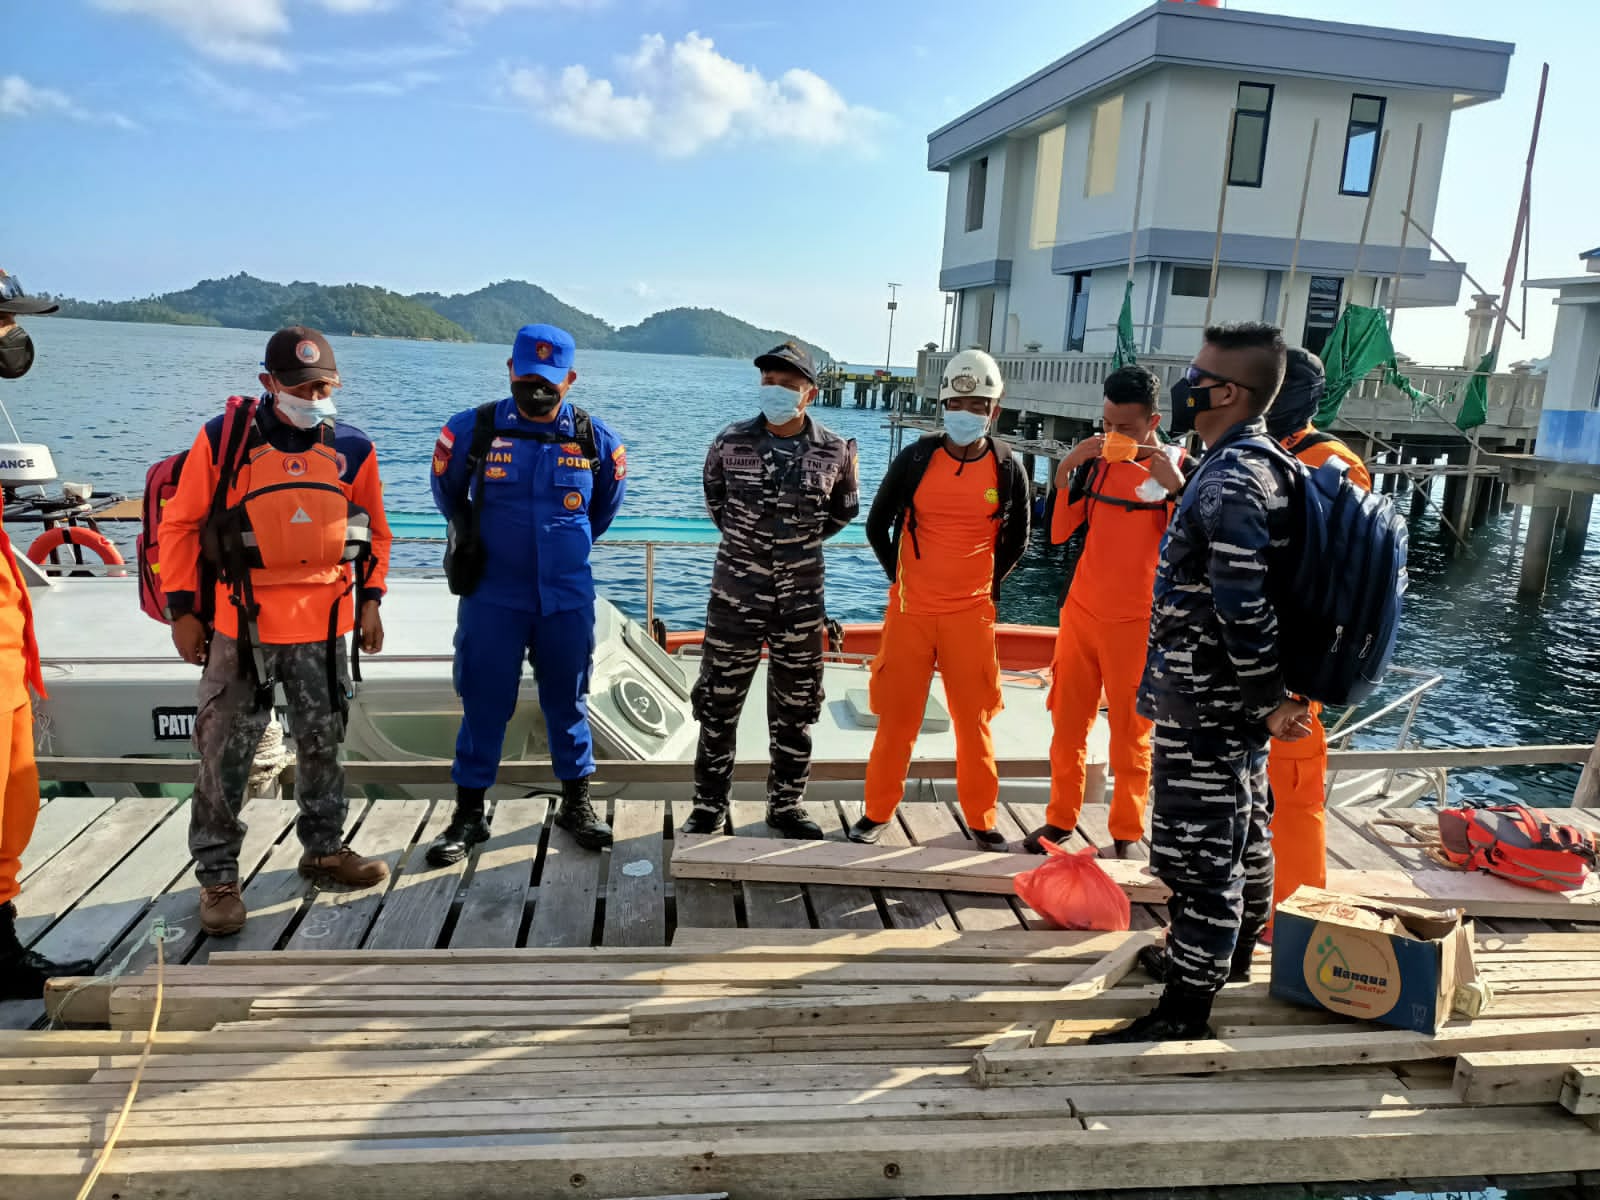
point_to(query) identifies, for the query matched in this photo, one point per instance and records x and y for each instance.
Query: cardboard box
(1380, 962)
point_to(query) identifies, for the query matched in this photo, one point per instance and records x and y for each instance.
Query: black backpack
(464, 551)
(1338, 586)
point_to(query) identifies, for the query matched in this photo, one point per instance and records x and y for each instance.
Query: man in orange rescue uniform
(283, 508)
(1119, 489)
(1297, 772)
(949, 523)
(22, 972)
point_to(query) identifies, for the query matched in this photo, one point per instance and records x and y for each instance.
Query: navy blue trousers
(491, 643)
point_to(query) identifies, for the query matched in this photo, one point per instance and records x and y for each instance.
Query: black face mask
(1186, 401)
(16, 353)
(535, 399)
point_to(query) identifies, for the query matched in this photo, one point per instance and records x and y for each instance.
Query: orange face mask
(1119, 447)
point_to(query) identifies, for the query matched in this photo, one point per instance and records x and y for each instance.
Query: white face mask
(963, 428)
(779, 404)
(305, 414)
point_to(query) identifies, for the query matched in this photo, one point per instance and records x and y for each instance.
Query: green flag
(1358, 342)
(1124, 355)
(1475, 400)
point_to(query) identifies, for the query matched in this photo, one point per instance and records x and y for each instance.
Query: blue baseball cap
(545, 351)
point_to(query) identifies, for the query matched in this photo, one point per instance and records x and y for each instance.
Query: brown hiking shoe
(221, 909)
(345, 867)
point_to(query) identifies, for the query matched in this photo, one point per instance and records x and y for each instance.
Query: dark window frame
(1202, 294)
(977, 195)
(1354, 128)
(1266, 129)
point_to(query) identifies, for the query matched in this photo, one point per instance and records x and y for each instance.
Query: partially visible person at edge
(305, 488)
(22, 972)
(949, 523)
(1212, 684)
(777, 485)
(547, 480)
(1297, 771)
(1118, 488)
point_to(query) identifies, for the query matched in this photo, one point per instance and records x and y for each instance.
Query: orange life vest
(291, 518)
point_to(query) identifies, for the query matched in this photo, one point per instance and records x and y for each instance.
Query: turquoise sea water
(109, 399)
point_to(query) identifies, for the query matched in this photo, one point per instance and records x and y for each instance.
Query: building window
(1078, 311)
(1361, 145)
(977, 188)
(1104, 133)
(1252, 114)
(1191, 281)
(1047, 186)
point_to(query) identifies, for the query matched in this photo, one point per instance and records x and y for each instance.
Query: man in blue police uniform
(533, 480)
(1212, 684)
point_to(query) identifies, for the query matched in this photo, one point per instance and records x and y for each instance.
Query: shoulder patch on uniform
(1208, 503)
(619, 462)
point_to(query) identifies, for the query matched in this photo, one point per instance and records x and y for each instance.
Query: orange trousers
(19, 798)
(962, 646)
(1298, 774)
(1094, 657)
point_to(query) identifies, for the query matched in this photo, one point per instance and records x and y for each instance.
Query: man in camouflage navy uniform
(1212, 684)
(777, 486)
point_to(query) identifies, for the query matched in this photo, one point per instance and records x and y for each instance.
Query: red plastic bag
(1073, 891)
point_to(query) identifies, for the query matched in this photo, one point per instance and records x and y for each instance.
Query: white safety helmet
(971, 373)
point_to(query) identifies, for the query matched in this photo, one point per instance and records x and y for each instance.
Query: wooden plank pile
(951, 868)
(775, 1063)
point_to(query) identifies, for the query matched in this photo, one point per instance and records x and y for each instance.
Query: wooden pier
(453, 1034)
(868, 388)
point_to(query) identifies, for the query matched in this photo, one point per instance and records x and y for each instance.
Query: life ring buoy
(51, 540)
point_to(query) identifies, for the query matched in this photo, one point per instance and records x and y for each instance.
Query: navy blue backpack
(1339, 584)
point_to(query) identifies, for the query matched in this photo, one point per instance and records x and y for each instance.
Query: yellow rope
(158, 936)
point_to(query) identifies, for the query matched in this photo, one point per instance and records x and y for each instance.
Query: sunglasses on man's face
(1196, 374)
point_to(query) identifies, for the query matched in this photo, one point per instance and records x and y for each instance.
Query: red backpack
(161, 484)
(1519, 844)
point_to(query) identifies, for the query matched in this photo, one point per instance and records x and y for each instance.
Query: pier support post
(1389, 482)
(1422, 486)
(1578, 522)
(1483, 499)
(1536, 550)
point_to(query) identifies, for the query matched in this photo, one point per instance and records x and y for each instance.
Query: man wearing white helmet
(950, 521)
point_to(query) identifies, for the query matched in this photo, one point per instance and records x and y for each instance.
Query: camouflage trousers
(228, 729)
(733, 641)
(1210, 842)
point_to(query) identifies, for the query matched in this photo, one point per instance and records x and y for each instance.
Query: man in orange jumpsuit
(22, 973)
(1119, 488)
(1297, 772)
(949, 523)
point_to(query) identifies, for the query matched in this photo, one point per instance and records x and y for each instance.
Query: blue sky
(764, 158)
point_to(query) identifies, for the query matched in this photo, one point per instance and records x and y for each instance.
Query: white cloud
(491, 8)
(235, 31)
(686, 96)
(277, 109)
(19, 98)
(400, 85)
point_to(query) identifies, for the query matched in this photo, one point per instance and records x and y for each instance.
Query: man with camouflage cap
(777, 485)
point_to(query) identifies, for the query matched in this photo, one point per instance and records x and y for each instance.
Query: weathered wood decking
(98, 872)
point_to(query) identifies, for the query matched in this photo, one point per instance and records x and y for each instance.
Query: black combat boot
(991, 839)
(1153, 960)
(577, 816)
(1183, 1015)
(23, 973)
(792, 822)
(1117, 849)
(706, 817)
(468, 827)
(1050, 833)
(866, 831)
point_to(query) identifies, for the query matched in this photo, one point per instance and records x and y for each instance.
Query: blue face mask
(963, 428)
(779, 404)
(305, 414)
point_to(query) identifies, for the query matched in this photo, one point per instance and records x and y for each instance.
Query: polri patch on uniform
(572, 501)
(441, 463)
(619, 463)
